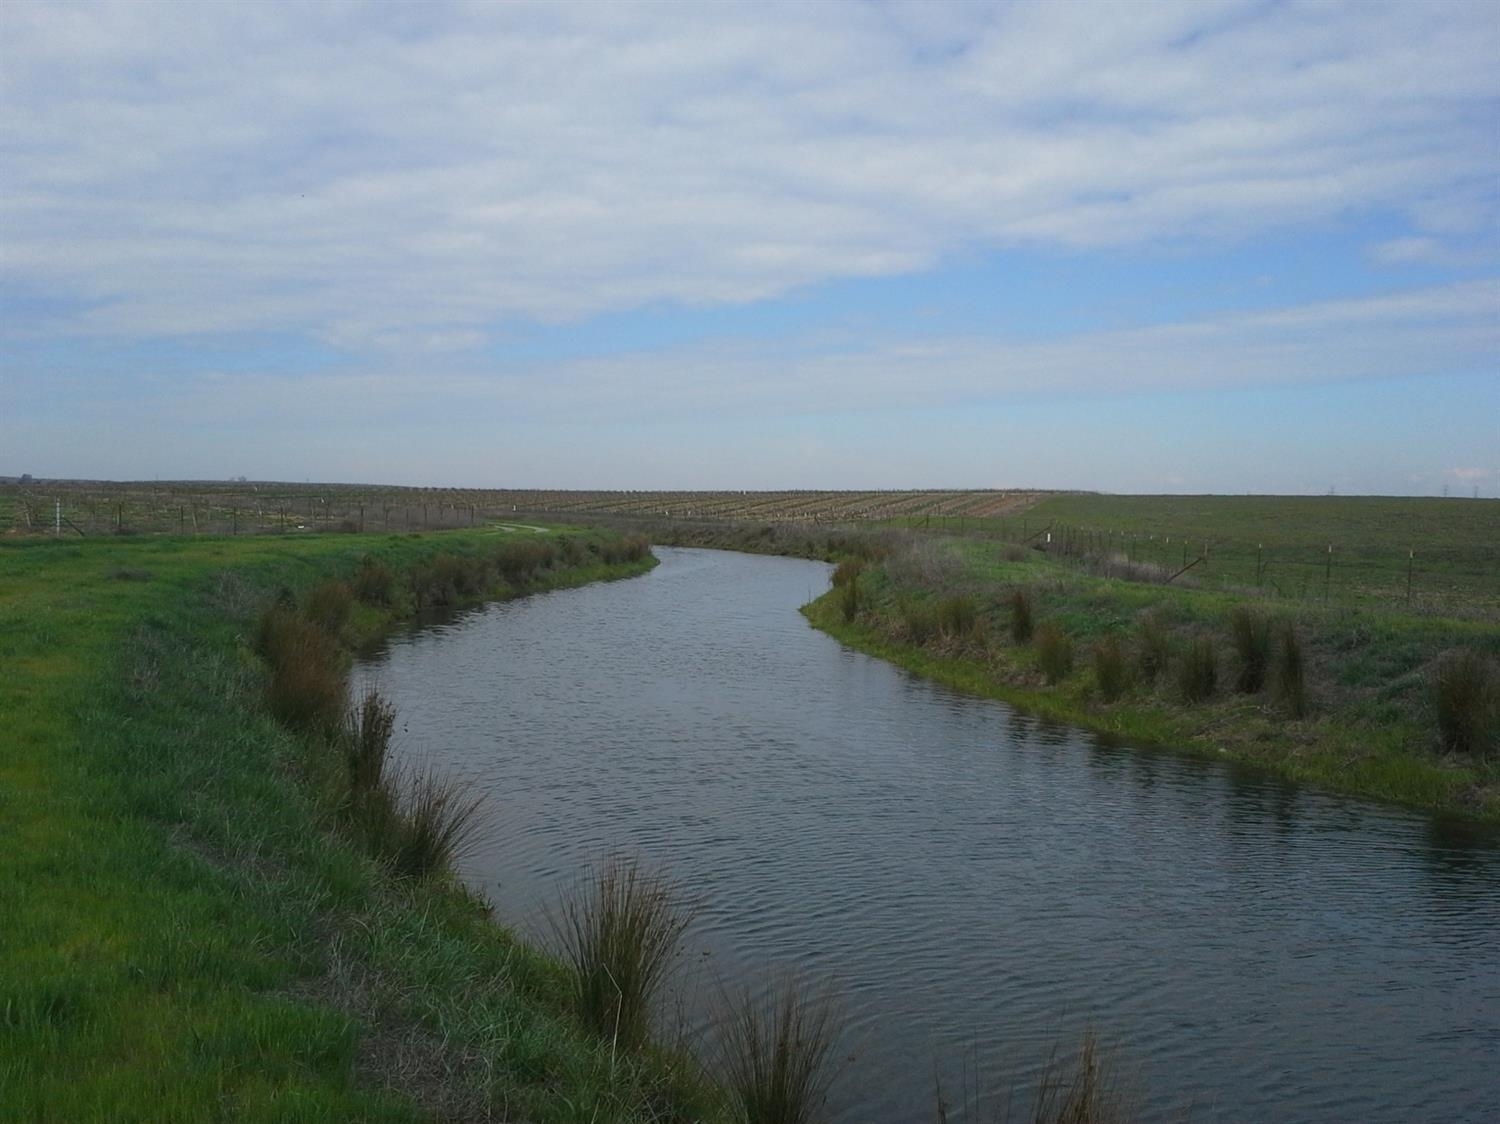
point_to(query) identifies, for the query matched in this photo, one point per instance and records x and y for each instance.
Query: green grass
(187, 935)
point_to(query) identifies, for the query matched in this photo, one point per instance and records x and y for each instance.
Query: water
(981, 885)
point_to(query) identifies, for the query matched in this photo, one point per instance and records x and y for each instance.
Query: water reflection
(981, 881)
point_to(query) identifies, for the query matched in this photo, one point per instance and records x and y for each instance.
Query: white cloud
(394, 172)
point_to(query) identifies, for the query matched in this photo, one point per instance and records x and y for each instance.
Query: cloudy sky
(1218, 245)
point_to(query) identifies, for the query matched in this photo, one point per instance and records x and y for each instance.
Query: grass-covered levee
(216, 905)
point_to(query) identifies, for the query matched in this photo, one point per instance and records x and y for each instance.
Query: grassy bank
(188, 936)
(1341, 696)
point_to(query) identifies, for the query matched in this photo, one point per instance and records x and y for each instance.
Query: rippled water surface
(981, 885)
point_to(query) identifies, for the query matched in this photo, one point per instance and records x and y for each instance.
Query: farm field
(1425, 555)
(105, 507)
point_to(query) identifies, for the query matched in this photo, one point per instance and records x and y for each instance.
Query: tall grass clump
(1153, 648)
(1110, 671)
(329, 604)
(367, 739)
(1021, 616)
(847, 572)
(1290, 680)
(1082, 1087)
(849, 599)
(957, 616)
(1465, 693)
(374, 584)
(1198, 673)
(420, 822)
(1251, 632)
(618, 935)
(918, 621)
(777, 1054)
(1087, 1091)
(1054, 652)
(308, 686)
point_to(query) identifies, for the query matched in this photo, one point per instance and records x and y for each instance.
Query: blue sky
(1210, 246)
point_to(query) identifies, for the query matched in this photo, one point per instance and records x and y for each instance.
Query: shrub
(520, 562)
(1252, 643)
(1054, 652)
(1465, 691)
(1021, 616)
(1291, 686)
(776, 1055)
(374, 584)
(1153, 648)
(329, 604)
(1110, 672)
(449, 579)
(1198, 673)
(629, 548)
(618, 936)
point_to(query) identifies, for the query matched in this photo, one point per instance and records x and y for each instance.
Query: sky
(1212, 246)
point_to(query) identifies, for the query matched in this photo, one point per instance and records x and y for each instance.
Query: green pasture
(1425, 555)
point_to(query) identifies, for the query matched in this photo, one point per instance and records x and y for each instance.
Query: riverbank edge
(211, 945)
(1325, 753)
(1328, 766)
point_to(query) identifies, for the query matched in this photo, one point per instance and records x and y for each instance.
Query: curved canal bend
(980, 885)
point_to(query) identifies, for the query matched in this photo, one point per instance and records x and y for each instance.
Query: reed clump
(1153, 648)
(776, 1054)
(1198, 672)
(849, 599)
(374, 583)
(307, 687)
(1022, 616)
(1088, 1091)
(1054, 652)
(1465, 691)
(1290, 676)
(416, 822)
(958, 617)
(919, 622)
(1251, 632)
(421, 822)
(366, 741)
(1085, 1086)
(329, 605)
(619, 935)
(847, 572)
(1111, 673)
